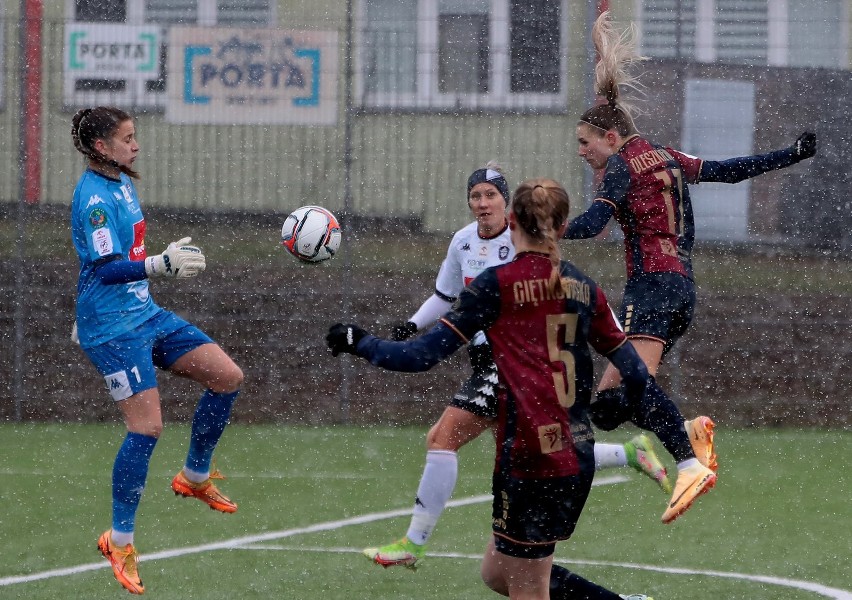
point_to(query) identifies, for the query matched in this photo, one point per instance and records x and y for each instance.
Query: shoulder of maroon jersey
(635, 144)
(568, 268)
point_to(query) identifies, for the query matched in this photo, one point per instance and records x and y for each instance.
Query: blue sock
(128, 479)
(208, 423)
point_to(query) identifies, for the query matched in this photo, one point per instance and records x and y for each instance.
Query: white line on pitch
(263, 537)
(828, 592)
(247, 542)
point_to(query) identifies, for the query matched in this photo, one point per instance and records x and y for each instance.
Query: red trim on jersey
(642, 336)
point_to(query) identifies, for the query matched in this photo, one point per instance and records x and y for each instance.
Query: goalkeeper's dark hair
(540, 208)
(100, 123)
(616, 54)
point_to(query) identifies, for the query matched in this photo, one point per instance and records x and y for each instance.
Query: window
(668, 29)
(228, 13)
(800, 33)
(149, 92)
(462, 54)
(105, 10)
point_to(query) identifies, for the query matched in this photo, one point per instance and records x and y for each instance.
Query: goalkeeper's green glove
(179, 260)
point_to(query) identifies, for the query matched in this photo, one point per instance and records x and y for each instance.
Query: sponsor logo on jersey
(465, 247)
(503, 252)
(483, 251)
(102, 241)
(118, 385)
(550, 438)
(128, 197)
(117, 195)
(137, 249)
(98, 217)
(94, 200)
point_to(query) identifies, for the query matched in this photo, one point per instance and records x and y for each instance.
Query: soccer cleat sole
(707, 425)
(707, 483)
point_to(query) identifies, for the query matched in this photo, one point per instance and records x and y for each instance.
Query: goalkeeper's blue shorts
(129, 362)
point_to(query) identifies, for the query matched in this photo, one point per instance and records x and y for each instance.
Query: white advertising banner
(252, 76)
(113, 51)
(111, 64)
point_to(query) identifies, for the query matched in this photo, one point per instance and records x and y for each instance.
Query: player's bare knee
(235, 379)
(153, 430)
(228, 381)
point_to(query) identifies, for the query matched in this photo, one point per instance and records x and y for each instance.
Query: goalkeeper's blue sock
(565, 585)
(128, 479)
(208, 423)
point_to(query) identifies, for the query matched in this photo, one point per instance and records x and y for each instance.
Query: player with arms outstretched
(127, 336)
(484, 243)
(645, 188)
(541, 316)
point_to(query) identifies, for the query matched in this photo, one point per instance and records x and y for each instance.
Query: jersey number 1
(565, 390)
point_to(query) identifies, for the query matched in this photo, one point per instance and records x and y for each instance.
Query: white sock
(121, 538)
(689, 462)
(195, 476)
(435, 490)
(609, 455)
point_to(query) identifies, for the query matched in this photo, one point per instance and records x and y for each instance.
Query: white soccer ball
(311, 234)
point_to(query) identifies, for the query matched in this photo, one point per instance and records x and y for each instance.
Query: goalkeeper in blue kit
(127, 337)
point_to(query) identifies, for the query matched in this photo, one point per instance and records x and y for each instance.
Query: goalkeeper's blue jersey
(107, 223)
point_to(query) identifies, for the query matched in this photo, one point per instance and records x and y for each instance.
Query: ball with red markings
(311, 234)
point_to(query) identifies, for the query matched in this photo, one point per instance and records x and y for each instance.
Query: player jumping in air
(644, 187)
(128, 337)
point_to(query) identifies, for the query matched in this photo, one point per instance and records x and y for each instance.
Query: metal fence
(407, 166)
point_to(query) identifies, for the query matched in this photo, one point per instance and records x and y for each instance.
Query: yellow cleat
(399, 553)
(642, 457)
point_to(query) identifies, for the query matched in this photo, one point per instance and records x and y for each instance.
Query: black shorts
(478, 395)
(530, 515)
(658, 305)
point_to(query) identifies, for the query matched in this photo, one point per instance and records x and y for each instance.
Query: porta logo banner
(113, 51)
(252, 76)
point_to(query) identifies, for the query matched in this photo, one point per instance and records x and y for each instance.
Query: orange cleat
(691, 483)
(700, 432)
(205, 491)
(124, 563)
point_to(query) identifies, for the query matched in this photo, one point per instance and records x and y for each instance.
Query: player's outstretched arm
(739, 169)
(411, 356)
(179, 260)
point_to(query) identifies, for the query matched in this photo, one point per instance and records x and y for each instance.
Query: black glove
(805, 146)
(344, 338)
(403, 331)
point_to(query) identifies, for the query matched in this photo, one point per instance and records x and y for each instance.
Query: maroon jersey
(646, 183)
(540, 340)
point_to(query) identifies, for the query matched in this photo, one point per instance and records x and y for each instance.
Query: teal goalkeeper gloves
(179, 260)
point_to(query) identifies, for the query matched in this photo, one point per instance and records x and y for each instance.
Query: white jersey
(468, 256)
